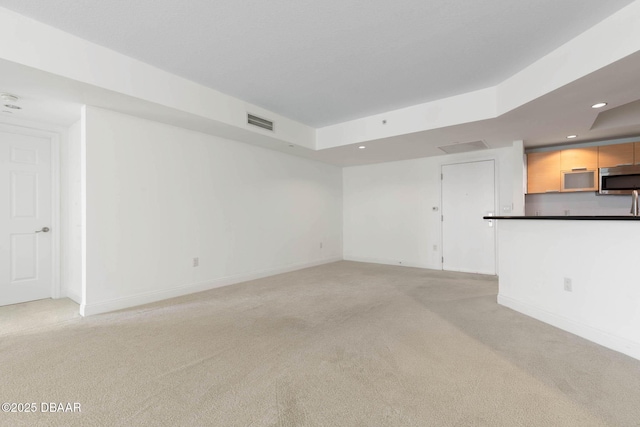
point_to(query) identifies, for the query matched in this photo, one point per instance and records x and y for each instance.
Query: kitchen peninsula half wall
(576, 273)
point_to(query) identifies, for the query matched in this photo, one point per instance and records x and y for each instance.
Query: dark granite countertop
(572, 217)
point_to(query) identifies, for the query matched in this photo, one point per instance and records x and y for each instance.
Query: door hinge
(441, 218)
(441, 177)
(443, 260)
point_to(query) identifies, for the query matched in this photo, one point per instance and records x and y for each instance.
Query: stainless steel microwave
(619, 180)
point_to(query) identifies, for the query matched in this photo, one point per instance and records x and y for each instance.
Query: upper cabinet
(543, 172)
(569, 170)
(576, 169)
(610, 156)
(579, 159)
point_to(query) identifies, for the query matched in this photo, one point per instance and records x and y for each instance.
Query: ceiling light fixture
(362, 147)
(13, 107)
(571, 136)
(599, 105)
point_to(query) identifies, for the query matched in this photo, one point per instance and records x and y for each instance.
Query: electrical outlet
(568, 286)
(320, 245)
(435, 247)
(196, 262)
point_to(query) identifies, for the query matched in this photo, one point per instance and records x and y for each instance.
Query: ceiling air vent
(464, 147)
(260, 122)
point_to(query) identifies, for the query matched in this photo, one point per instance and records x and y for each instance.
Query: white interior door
(468, 194)
(25, 218)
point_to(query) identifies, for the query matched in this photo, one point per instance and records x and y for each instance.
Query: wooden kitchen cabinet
(576, 169)
(579, 158)
(543, 172)
(610, 156)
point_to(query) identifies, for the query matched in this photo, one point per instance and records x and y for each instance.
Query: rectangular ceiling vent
(464, 147)
(260, 122)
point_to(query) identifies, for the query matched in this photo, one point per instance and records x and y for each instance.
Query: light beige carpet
(345, 344)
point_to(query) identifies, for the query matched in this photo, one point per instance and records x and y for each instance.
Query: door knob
(44, 230)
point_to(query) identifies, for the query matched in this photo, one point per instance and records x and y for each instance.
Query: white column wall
(600, 259)
(71, 213)
(158, 196)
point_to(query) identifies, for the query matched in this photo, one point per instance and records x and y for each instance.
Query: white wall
(71, 205)
(158, 196)
(388, 215)
(600, 258)
(587, 203)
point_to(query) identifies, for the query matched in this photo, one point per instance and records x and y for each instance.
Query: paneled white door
(25, 218)
(468, 194)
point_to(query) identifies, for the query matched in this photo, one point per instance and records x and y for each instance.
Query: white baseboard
(606, 339)
(149, 297)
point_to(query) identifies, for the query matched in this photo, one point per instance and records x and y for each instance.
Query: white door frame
(495, 203)
(54, 139)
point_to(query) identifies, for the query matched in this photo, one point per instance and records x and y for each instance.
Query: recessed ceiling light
(13, 107)
(362, 147)
(599, 105)
(571, 136)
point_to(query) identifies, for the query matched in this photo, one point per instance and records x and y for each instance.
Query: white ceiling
(313, 62)
(545, 121)
(325, 62)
